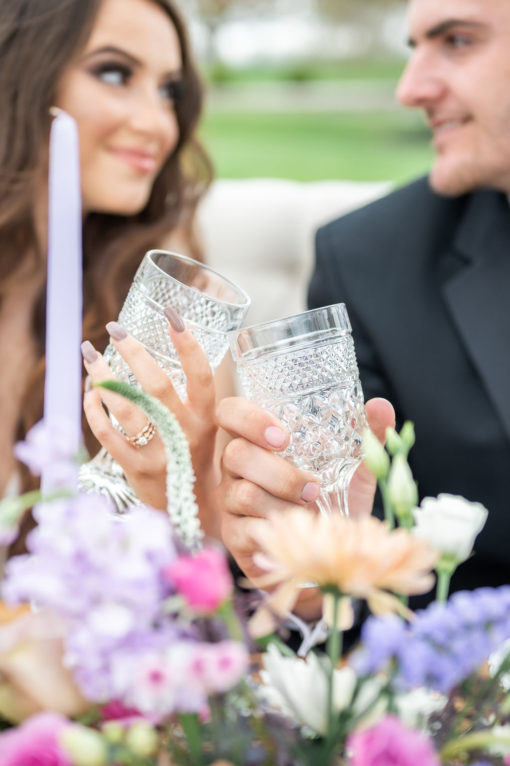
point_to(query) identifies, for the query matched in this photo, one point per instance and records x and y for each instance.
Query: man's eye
(173, 90)
(113, 74)
(458, 42)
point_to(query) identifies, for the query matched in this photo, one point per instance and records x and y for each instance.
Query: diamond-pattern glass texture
(316, 393)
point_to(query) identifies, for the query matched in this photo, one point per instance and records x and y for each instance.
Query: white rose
(450, 524)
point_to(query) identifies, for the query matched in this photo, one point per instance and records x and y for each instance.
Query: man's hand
(256, 481)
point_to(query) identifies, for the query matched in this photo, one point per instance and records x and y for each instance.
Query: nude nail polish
(116, 331)
(175, 319)
(274, 436)
(310, 492)
(88, 351)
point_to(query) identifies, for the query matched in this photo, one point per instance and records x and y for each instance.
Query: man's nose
(420, 85)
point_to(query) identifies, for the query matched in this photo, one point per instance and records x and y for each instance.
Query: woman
(122, 69)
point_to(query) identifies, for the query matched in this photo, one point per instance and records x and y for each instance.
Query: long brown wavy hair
(38, 40)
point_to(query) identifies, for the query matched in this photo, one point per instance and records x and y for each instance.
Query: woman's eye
(113, 74)
(172, 90)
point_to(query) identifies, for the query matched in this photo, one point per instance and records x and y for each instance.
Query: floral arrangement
(135, 650)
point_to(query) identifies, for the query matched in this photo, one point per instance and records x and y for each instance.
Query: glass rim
(245, 301)
(248, 332)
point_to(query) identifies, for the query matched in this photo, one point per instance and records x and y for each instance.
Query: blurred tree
(369, 15)
(212, 13)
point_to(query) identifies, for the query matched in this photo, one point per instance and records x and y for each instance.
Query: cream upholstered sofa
(260, 233)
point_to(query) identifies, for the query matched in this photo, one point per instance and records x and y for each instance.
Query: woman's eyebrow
(111, 49)
(121, 52)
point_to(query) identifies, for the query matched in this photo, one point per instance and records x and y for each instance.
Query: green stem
(334, 652)
(388, 507)
(476, 741)
(443, 585)
(13, 508)
(193, 733)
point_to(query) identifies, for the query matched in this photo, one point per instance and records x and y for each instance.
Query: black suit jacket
(426, 282)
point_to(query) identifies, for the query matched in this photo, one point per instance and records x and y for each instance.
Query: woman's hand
(145, 465)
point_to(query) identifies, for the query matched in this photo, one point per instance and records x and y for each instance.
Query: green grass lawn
(367, 68)
(365, 146)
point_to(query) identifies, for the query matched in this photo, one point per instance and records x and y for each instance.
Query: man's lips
(137, 158)
(440, 126)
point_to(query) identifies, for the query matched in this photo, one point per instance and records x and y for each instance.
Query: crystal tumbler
(210, 305)
(303, 369)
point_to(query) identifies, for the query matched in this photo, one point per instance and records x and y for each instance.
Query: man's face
(459, 74)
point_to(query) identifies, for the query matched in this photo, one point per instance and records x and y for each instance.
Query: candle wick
(55, 111)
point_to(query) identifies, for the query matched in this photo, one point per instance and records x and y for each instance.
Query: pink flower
(203, 580)
(390, 742)
(219, 667)
(35, 742)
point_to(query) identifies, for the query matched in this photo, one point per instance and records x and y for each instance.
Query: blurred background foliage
(304, 89)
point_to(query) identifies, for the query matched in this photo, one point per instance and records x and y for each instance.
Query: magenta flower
(203, 580)
(35, 742)
(390, 742)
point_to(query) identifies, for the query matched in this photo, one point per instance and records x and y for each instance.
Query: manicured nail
(274, 436)
(175, 319)
(310, 492)
(116, 331)
(88, 351)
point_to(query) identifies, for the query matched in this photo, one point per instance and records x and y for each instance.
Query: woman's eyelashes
(172, 90)
(112, 73)
(117, 74)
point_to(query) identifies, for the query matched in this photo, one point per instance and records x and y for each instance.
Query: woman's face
(121, 92)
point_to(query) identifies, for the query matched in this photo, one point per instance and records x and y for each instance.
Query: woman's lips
(143, 161)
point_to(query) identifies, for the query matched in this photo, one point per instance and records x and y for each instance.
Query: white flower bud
(142, 740)
(450, 524)
(407, 434)
(85, 746)
(394, 443)
(375, 456)
(402, 491)
(113, 732)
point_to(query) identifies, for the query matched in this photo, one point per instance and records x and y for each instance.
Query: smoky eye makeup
(111, 72)
(173, 90)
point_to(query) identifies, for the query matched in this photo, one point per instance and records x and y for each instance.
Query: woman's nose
(151, 113)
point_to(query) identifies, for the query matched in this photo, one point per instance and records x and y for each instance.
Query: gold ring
(144, 436)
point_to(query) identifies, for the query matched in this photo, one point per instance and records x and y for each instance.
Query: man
(425, 275)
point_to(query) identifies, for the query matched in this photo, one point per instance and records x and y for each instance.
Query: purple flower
(35, 742)
(50, 447)
(444, 644)
(103, 574)
(390, 742)
(380, 641)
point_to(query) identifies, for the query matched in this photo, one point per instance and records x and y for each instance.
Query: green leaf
(13, 508)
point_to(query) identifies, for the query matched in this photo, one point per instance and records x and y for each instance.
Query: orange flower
(32, 675)
(358, 557)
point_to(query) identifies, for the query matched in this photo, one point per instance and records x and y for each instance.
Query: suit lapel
(478, 294)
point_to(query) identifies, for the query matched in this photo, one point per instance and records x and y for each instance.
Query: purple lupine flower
(444, 644)
(379, 641)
